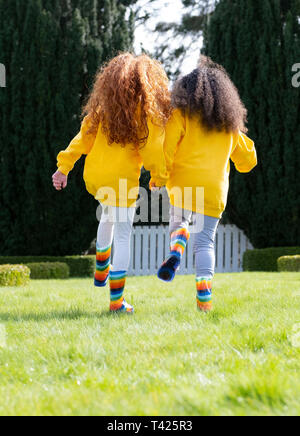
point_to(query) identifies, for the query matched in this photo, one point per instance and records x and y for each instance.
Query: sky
(166, 11)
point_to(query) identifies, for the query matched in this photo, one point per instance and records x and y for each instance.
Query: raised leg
(179, 231)
(104, 243)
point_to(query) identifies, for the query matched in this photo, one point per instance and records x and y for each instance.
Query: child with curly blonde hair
(123, 130)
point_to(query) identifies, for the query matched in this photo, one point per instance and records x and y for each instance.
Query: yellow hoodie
(112, 172)
(198, 158)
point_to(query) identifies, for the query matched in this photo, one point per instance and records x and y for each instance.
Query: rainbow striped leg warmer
(117, 280)
(179, 240)
(204, 294)
(103, 258)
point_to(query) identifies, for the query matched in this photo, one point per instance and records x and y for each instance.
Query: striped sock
(179, 240)
(117, 281)
(102, 266)
(204, 294)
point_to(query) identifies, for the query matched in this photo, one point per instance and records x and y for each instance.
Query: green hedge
(289, 263)
(265, 259)
(14, 275)
(48, 270)
(80, 266)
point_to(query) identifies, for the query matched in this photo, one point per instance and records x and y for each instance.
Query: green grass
(62, 353)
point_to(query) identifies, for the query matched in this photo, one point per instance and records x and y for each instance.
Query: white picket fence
(150, 246)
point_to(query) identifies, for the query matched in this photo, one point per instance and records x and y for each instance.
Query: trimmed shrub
(48, 270)
(80, 266)
(14, 275)
(265, 259)
(289, 263)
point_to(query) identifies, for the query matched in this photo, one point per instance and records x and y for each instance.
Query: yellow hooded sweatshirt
(198, 158)
(112, 172)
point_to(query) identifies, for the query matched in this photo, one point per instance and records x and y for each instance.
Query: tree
(176, 41)
(258, 42)
(51, 50)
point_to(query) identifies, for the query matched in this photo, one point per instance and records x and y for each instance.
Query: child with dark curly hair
(206, 130)
(123, 130)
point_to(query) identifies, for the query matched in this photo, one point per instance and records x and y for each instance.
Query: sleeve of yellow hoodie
(244, 155)
(175, 131)
(81, 144)
(153, 157)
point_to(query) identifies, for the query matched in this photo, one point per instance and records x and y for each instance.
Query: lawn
(62, 353)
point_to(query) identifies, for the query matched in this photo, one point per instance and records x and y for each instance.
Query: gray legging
(205, 230)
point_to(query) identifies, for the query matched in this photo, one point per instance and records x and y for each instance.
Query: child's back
(201, 158)
(112, 171)
(123, 130)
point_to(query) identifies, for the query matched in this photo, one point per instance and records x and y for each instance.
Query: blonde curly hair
(128, 92)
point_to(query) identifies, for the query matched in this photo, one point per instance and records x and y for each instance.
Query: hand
(153, 187)
(59, 180)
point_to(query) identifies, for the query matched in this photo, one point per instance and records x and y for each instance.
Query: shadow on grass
(71, 315)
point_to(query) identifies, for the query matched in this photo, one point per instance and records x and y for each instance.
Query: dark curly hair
(208, 92)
